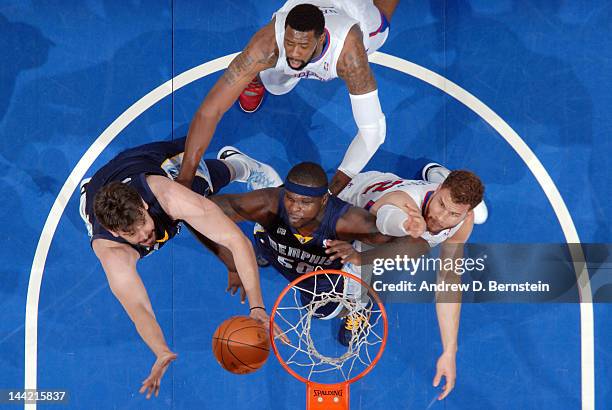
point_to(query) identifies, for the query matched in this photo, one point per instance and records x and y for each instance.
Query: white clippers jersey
(338, 22)
(368, 187)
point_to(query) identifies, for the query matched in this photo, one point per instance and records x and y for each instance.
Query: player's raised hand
(151, 384)
(342, 250)
(234, 284)
(415, 225)
(446, 367)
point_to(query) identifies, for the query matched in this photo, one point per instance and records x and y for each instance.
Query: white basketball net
(295, 322)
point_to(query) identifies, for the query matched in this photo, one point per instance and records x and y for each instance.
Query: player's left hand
(234, 284)
(342, 250)
(446, 366)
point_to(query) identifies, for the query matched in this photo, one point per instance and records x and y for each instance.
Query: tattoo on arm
(353, 66)
(257, 56)
(239, 65)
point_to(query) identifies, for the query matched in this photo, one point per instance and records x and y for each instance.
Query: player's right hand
(151, 384)
(445, 367)
(415, 225)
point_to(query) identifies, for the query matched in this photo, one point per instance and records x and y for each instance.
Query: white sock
(240, 168)
(437, 174)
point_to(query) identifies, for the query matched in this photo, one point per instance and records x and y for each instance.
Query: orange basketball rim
(331, 396)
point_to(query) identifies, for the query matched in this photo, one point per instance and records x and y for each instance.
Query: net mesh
(295, 319)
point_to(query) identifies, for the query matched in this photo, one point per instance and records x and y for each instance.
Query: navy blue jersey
(131, 167)
(294, 255)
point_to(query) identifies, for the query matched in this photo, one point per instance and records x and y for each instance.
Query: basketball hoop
(328, 377)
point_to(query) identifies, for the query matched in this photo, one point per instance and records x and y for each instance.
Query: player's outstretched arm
(359, 224)
(397, 214)
(257, 56)
(448, 309)
(225, 256)
(353, 67)
(258, 206)
(119, 263)
(209, 220)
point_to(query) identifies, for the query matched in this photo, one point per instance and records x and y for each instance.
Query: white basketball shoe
(257, 176)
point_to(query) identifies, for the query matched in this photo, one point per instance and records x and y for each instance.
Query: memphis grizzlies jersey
(132, 167)
(293, 254)
(368, 187)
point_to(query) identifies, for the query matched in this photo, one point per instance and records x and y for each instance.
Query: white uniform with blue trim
(340, 16)
(368, 187)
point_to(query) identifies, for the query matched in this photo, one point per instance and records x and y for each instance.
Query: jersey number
(382, 186)
(301, 268)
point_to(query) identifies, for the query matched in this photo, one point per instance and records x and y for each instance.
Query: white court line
(77, 174)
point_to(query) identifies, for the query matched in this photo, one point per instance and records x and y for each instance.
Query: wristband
(257, 307)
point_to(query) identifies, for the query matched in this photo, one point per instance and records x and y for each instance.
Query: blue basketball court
(517, 91)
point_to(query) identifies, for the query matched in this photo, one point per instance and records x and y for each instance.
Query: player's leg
(375, 20)
(434, 172)
(255, 174)
(174, 151)
(218, 172)
(437, 173)
(210, 177)
(252, 96)
(275, 82)
(354, 322)
(386, 7)
(320, 290)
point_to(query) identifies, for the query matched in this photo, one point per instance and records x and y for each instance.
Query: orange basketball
(241, 345)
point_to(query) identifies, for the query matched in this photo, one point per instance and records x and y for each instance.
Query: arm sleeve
(390, 220)
(372, 127)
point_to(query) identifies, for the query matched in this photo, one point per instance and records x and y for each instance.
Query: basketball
(241, 345)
